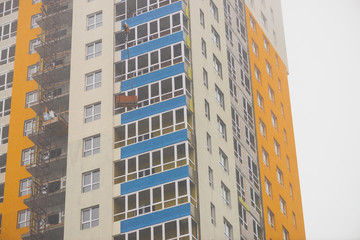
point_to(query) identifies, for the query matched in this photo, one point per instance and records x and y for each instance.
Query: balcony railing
(152, 127)
(152, 61)
(153, 162)
(152, 30)
(158, 92)
(155, 199)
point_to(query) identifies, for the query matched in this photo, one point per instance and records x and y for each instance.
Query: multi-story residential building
(189, 157)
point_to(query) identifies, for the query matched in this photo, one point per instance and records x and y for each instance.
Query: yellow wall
(17, 142)
(293, 204)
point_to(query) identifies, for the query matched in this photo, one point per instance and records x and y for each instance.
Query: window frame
(5, 107)
(203, 48)
(208, 143)
(282, 205)
(93, 116)
(266, 44)
(207, 109)
(277, 148)
(225, 194)
(31, 153)
(33, 44)
(92, 222)
(221, 128)
(211, 177)
(279, 176)
(95, 83)
(205, 78)
(26, 221)
(262, 128)
(217, 66)
(32, 123)
(202, 19)
(93, 185)
(228, 231)
(224, 161)
(93, 150)
(95, 24)
(265, 156)
(27, 190)
(271, 218)
(33, 23)
(219, 95)
(215, 37)
(33, 95)
(90, 54)
(212, 214)
(214, 10)
(260, 100)
(268, 187)
(8, 80)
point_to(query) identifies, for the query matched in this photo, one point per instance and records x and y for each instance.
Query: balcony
(182, 228)
(152, 127)
(54, 197)
(57, 99)
(150, 31)
(56, 126)
(155, 199)
(56, 160)
(57, 42)
(157, 92)
(152, 60)
(56, 73)
(54, 227)
(153, 162)
(62, 18)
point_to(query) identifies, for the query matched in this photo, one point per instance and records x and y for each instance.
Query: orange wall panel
(287, 149)
(17, 142)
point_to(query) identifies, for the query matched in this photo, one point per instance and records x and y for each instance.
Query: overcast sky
(323, 45)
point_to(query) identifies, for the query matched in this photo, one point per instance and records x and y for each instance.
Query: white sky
(323, 45)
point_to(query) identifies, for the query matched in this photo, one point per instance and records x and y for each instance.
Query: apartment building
(182, 160)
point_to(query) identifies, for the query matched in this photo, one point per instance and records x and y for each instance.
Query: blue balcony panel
(154, 143)
(153, 76)
(155, 218)
(154, 180)
(153, 109)
(154, 14)
(152, 45)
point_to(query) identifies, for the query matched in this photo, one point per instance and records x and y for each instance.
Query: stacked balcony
(48, 169)
(155, 184)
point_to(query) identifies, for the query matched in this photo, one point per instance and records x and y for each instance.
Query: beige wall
(78, 130)
(203, 125)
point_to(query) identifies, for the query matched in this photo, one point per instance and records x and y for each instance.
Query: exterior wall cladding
(182, 164)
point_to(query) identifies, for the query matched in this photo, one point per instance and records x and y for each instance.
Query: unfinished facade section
(50, 133)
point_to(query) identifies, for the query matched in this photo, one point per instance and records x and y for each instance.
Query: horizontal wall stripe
(153, 76)
(154, 143)
(155, 218)
(154, 180)
(153, 109)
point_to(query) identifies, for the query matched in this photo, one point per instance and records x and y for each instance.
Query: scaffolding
(50, 133)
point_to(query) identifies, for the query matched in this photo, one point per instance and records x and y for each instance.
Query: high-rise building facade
(146, 120)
